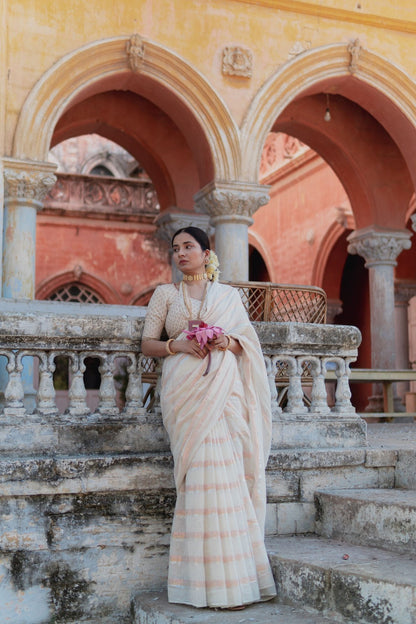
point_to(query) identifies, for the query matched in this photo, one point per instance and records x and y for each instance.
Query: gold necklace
(188, 303)
(191, 278)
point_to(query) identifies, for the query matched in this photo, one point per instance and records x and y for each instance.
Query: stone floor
(393, 435)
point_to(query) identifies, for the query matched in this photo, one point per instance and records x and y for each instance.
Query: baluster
(270, 363)
(107, 393)
(134, 390)
(14, 393)
(319, 397)
(343, 392)
(295, 404)
(77, 393)
(46, 405)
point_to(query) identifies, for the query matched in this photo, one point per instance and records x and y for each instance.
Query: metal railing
(266, 301)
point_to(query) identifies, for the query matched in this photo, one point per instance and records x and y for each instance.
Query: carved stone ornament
(27, 185)
(232, 200)
(378, 247)
(237, 61)
(404, 291)
(354, 48)
(299, 47)
(135, 52)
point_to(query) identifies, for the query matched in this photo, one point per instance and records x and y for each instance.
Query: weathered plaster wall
(39, 34)
(126, 256)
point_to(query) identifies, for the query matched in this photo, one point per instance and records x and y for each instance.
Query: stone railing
(102, 196)
(296, 356)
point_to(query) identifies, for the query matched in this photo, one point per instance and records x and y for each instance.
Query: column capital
(404, 291)
(169, 222)
(231, 201)
(27, 182)
(379, 246)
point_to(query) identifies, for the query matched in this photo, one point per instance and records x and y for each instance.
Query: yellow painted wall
(37, 34)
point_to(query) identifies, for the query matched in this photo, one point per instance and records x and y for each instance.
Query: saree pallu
(219, 428)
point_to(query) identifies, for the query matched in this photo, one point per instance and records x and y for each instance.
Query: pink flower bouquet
(203, 334)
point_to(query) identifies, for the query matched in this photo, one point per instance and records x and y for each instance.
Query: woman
(216, 408)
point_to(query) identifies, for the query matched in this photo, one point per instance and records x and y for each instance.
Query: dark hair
(199, 235)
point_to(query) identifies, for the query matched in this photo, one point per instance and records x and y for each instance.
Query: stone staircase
(358, 568)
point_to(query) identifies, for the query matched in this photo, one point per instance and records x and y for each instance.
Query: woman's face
(188, 255)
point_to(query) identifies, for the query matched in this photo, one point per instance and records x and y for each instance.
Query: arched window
(75, 292)
(101, 170)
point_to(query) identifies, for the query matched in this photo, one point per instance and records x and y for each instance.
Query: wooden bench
(387, 378)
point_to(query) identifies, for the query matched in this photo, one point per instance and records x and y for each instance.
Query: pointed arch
(309, 73)
(103, 65)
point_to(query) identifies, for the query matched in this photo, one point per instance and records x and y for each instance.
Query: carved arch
(317, 67)
(103, 65)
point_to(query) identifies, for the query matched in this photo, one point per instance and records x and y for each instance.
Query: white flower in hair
(211, 269)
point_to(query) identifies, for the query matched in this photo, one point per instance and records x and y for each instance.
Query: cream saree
(219, 427)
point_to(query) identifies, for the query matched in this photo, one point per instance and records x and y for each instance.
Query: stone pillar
(169, 222)
(404, 292)
(380, 249)
(231, 206)
(26, 185)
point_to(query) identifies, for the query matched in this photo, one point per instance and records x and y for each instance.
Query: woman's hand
(189, 346)
(223, 342)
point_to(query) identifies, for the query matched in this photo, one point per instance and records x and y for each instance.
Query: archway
(369, 142)
(156, 74)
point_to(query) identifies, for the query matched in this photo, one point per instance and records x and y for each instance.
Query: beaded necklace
(188, 306)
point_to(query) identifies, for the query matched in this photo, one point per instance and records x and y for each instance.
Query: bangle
(168, 349)
(228, 345)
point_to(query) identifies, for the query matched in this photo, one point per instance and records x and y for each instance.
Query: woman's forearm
(235, 346)
(155, 348)
(162, 348)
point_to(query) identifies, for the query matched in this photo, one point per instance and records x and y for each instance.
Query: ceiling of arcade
(361, 152)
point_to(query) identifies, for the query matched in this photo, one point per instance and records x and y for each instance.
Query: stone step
(153, 608)
(361, 585)
(370, 517)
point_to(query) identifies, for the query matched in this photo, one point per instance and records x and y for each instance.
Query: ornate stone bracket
(379, 247)
(27, 182)
(232, 201)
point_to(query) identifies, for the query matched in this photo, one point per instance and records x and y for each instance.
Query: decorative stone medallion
(237, 61)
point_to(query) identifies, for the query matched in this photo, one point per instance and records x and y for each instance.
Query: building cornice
(341, 15)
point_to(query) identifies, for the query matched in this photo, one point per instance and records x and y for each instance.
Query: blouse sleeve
(155, 316)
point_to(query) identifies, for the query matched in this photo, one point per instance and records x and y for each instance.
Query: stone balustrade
(296, 355)
(87, 492)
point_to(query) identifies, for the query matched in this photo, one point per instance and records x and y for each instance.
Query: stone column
(231, 206)
(169, 222)
(380, 249)
(404, 291)
(26, 186)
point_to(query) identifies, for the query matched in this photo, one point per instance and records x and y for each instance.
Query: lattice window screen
(77, 293)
